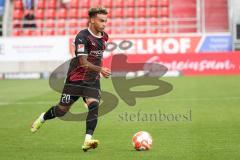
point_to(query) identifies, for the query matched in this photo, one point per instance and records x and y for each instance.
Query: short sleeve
(80, 46)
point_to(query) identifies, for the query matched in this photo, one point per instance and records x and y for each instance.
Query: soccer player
(84, 71)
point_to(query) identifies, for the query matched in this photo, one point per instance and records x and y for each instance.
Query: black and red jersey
(92, 46)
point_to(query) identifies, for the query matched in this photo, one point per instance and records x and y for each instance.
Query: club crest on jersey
(80, 48)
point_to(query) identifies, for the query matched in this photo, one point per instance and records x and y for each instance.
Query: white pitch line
(26, 103)
(202, 99)
(172, 99)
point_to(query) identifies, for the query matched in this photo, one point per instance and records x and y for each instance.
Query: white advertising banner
(34, 49)
(58, 48)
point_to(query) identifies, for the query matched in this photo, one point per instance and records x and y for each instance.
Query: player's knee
(61, 110)
(93, 107)
(90, 100)
(93, 112)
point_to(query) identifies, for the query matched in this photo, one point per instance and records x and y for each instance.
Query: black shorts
(72, 91)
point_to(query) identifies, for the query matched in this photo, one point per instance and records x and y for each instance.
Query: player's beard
(101, 29)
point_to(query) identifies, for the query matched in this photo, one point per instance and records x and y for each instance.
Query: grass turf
(211, 133)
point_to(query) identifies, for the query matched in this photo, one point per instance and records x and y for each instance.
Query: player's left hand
(106, 72)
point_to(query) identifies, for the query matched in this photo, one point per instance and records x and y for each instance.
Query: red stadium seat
(107, 3)
(27, 11)
(141, 22)
(164, 21)
(18, 4)
(18, 14)
(141, 30)
(109, 23)
(129, 30)
(186, 30)
(118, 12)
(39, 23)
(164, 3)
(117, 22)
(62, 13)
(27, 32)
(186, 26)
(116, 31)
(153, 12)
(37, 32)
(51, 13)
(51, 3)
(164, 12)
(73, 23)
(164, 30)
(41, 4)
(83, 23)
(130, 22)
(83, 13)
(95, 3)
(39, 14)
(16, 32)
(153, 30)
(184, 11)
(17, 24)
(61, 23)
(153, 21)
(73, 31)
(140, 3)
(153, 3)
(118, 3)
(73, 13)
(74, 3)
(129, 12)
(61, 32)
(84, 4)
(108, 30)
(50, 23)
(141, 12)
(129, 3)
(48, 32)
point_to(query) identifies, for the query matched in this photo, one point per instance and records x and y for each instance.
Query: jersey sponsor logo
(97, 53)
(80, 48)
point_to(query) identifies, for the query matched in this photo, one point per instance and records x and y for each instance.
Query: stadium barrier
(183, 54)
(211, 63)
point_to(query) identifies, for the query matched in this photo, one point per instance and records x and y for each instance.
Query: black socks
(91, 121)
(50, 114)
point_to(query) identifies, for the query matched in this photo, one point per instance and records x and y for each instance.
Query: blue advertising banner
(216, 43)
(2, 3)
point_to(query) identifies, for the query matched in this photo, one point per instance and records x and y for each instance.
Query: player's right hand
(106, 72)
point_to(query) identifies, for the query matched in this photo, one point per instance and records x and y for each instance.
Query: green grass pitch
(210, 132)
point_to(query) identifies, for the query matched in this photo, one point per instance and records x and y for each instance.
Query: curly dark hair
(92, 12)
